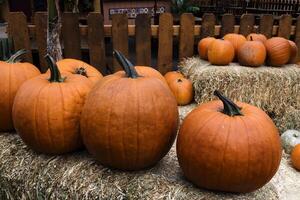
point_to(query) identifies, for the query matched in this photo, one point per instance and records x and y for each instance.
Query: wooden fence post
(297, 36)
(186, 36)
(208, 25)
(247, 24)
(227, 26)
(285, 25)
(266, 25)
(143, 39)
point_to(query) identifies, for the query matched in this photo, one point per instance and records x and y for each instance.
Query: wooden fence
(187, 34)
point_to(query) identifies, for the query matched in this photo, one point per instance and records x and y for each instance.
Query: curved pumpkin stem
(55, 73)
(16, 57)
(126, 64)
(230, 108)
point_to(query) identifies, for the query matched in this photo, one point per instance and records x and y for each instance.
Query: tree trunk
(54, 29)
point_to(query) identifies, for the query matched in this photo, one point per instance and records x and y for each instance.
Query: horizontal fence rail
(76, 37)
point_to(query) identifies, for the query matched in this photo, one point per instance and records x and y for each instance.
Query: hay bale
(275, 90)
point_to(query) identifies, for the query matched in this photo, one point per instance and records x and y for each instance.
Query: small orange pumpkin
(278, 51)
(12, 75)
(183, 91)
(294, 52)
(203, 47)
(237, 40)
(295, 156)
(252, 53)
(220, 52)
(257, 37)
(171, 76)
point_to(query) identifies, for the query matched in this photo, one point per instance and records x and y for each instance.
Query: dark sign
(133, 12)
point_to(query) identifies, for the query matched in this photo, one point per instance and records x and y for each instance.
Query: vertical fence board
(120, 36)
(71, 35)
(266, 25)
(297, 36)
(165, 43)
(208, 25)
(227, 25)
(96, 41)
(247, 24)
(186, 37)
(143, 39)
(18, 31)
(285, 25)
(40, 20)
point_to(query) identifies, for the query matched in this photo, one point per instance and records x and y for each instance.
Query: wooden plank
(297, 36)
(285, 24)
(143, 40)
(208, 25)
(40, 20)
(18, 31)
(266, 25)
(165, 43)
(186, 37)
(247, 24)
(96, 42)
(120, 36)
(71, 35)
(228, 22)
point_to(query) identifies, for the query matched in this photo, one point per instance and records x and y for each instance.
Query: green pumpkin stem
(54, 71)
(16, 57)
(230, 108)
(126, 64)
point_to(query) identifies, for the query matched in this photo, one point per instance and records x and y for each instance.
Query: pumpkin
(228, 147)
(129, 122)
(79, 67)
(252, 53)
(183, 91)
(295, 156)
(237, 40)
(203, 47)
(220, 52)
(278, 51)
(290, 139)
(294, 53)
(257, 37)
(12, 75)
(172, 76)
(47, 110)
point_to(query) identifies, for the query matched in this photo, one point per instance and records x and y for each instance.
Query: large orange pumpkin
(129, 122)
(183, 91)
(278, 51)
(257, 37)
(295, 156)
(228, 147)
(12, 75)
(203, 47)
(237, 40)
(252, 53)
(220, 52)
(47, 110)
(79, 67)
(294, 52)
(172, 76)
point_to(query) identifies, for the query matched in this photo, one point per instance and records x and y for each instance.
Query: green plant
(183, 6)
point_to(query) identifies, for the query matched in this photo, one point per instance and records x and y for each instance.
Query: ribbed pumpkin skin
(278, 51)
(183, 91)
(172, 76)
(295, 157)
(47, 115)
(220, 52)
(252, 53)
(294, 52)
(203, 47)
(129, 124)
(237, 40)
(223, 153)
(72, 65)
(12, 76)
(257, 37)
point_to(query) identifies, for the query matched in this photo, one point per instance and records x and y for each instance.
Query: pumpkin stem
(81, 71)
(16, 57)
(251, 38)
(126, 64)
(230, 108)
(55, 73)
